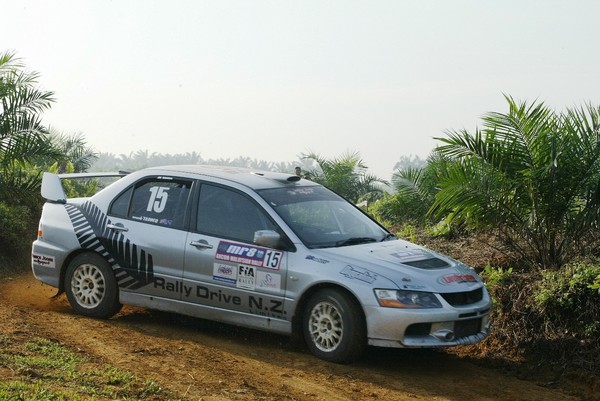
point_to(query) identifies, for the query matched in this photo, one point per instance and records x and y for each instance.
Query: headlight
(407, 299)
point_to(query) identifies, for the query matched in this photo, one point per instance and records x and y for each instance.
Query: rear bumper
(46, 262)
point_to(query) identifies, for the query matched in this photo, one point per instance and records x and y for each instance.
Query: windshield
(323, 219)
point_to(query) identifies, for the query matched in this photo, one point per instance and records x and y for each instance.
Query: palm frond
(531, 173)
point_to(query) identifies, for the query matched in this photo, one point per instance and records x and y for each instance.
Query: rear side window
(120, 206)
(161, 202)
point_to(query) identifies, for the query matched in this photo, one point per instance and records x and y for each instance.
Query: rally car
(264, 250)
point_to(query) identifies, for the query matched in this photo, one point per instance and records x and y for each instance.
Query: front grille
(463, 298)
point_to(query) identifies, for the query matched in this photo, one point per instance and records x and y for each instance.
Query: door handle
(201, 244)
(117, 227)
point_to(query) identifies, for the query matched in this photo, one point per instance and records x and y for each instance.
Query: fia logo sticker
(246, 277)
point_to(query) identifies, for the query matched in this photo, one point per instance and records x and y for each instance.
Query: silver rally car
(264, 250)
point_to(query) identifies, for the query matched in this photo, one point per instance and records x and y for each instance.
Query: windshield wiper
(355, 241)
(388, 236)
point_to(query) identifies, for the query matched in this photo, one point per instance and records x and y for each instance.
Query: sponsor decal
(410, 255)
(177, 286)
(269, 307)
(318, 260)
(246, 277)
(201, 293)
(413, 287)
(249, 255)
(300, 191)
(359, 273)
(226, 273)
(43, 260)
(145, 219)
(208, 295)
(451, 279)
(268, 281)
(218, 296)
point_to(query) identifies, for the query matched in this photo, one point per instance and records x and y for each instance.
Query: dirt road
(199, 360)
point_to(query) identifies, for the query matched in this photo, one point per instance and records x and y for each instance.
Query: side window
(229, 214)
(161, 202)
(120, 206)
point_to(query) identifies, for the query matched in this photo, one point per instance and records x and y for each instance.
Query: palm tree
(415, 188)
(346, 175)
(23, 138)
(533, 175)
(74, 150)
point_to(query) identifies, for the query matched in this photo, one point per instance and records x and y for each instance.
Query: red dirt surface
(200, 360)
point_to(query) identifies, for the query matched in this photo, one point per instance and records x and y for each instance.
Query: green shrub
(17, 231)
(15, 225)
(496, 276)
(568, 299)
(596, 284)
(408, 232)
(78, 187)
(395, 209)
(550, 317)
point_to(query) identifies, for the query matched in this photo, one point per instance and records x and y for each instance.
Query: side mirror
(267, 238)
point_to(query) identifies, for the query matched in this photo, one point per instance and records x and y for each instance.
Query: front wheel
(334, 327)
(91, 286)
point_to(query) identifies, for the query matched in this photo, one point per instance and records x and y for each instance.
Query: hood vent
(432, 263)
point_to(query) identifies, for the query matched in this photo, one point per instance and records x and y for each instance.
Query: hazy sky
(273, 79)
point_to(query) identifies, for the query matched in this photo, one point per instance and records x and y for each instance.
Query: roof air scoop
(281, 177)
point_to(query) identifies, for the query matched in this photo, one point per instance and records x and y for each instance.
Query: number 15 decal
(158, 199)
(272, 259)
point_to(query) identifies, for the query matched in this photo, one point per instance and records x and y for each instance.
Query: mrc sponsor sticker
(451, 279)
(225, 273)
(43, 260)
(249, 255)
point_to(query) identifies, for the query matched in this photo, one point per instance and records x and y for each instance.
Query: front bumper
(440, 327)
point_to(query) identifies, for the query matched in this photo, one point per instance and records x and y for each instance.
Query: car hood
(408, 265)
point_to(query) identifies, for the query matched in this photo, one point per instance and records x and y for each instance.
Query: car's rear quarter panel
(56, 242)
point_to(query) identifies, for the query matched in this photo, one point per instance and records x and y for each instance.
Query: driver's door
(223, 268)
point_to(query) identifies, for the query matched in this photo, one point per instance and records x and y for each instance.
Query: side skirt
(235, 318)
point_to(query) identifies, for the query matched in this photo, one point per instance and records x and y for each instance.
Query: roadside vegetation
(523, 190)
(518, 199)
(51, 371)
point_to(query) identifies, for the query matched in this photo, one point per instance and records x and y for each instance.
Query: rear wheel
(334, 327)
(91, 286)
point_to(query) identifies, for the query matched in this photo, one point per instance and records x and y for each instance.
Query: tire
(334, 327)
(91, 286)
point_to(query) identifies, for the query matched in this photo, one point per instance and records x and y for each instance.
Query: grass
(42, 369)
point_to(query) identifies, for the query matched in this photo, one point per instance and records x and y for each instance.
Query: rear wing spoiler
(53, 191)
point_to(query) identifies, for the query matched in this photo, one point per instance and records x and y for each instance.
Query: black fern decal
(133, 267)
